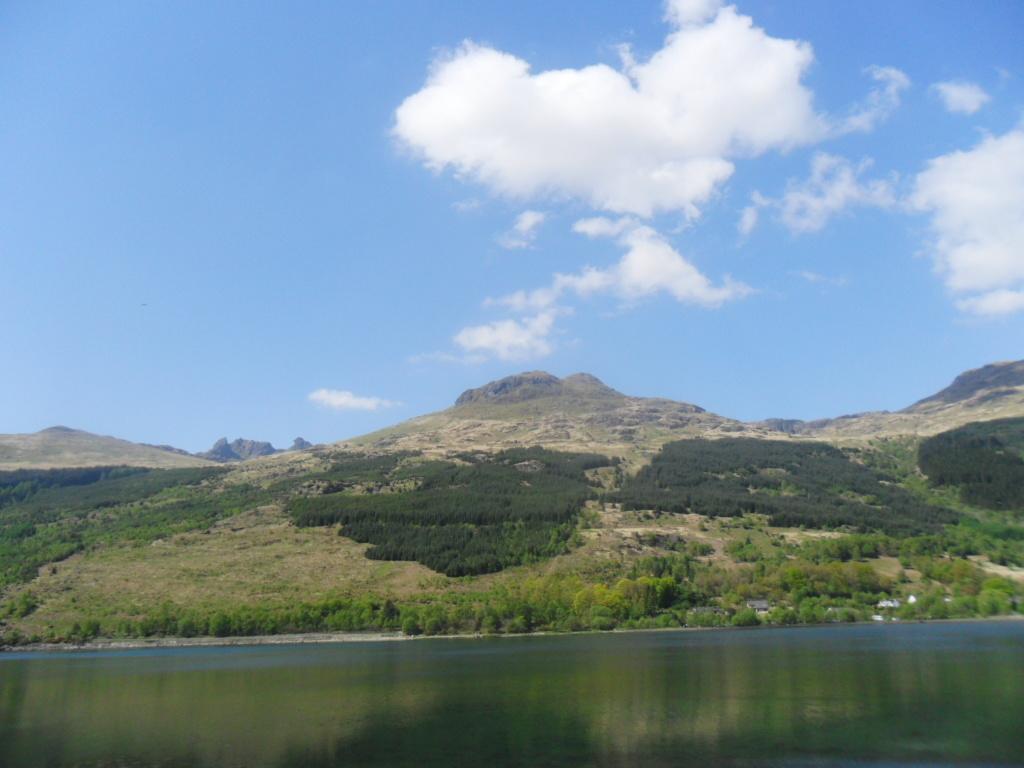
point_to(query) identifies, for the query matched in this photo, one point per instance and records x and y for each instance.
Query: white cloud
(650, 266)
(961, 97)
(510, 339)
(834, 185)
(343, 400)
(880, 103)
(656, 137)
(524, 230)
(975, 199)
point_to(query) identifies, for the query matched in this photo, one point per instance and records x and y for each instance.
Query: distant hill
(58, 447)
(994, 391)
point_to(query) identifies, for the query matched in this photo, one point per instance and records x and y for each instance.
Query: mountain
(994, 391)
(238, 450)
(626, 515)
(581, 413)
(58, 447)
(575, 413)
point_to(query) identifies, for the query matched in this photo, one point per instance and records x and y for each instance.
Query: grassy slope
(60, 447)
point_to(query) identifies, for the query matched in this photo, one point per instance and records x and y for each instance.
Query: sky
(269, 220)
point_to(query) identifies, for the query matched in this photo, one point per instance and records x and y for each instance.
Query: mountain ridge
(578, 412)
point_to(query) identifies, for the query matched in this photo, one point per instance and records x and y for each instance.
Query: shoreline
(336, 638)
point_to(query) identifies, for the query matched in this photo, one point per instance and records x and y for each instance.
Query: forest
(479, 514)
(794, 483)
(985, 460)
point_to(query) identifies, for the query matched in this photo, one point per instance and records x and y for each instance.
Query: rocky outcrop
(238, 450)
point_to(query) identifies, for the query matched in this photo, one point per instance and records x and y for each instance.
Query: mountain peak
(513, 389)
(533, 385)
(58, 430)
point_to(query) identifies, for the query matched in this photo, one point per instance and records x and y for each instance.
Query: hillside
(63, 447)
(534, 502)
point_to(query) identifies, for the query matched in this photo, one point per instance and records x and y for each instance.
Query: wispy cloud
(833, 186)
(524, 230)
(816, 278)
(880, 103)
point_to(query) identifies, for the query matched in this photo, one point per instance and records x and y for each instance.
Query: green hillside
(793, 483)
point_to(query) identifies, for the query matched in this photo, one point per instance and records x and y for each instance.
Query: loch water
(900, 694)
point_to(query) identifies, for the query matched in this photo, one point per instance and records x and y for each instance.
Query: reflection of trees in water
(653, 699)
(742, 697)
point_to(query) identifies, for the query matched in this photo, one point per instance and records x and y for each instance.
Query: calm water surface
(922, 694)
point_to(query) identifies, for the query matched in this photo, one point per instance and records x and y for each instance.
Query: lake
(928, 694)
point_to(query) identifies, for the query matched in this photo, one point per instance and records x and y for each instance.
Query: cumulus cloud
(834, 185)
(961, 97)
(510, 340)
(975, 199)
(343, 400)
(657, 136)
(649, 266)
(524, 230)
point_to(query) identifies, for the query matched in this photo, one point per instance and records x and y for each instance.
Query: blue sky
(255, 220)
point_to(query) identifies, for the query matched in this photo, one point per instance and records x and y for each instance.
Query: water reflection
(940, 693)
